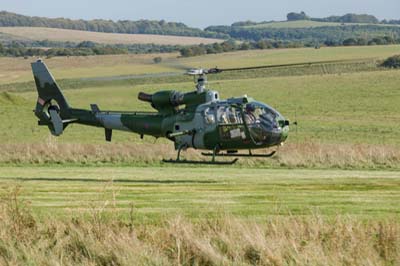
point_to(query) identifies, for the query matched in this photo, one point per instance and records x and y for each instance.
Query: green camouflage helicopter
(198, 119)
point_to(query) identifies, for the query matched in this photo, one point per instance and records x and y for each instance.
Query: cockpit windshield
(261, 120)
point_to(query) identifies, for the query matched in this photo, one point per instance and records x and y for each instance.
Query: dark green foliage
(157, 60)
(320, 34)
(394, 22)
(349, 18)
(392, 62)
(97, 50)
(17, 49)
(86, 44)
(350, 42)
(161, 27)
(244, 23)
(228, 46)
(297, 16)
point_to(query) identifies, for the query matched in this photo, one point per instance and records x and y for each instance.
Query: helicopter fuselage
(199, 119)
(233, 124)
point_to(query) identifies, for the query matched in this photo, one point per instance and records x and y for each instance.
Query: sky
(199, 13)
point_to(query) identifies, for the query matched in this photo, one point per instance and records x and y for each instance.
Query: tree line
(231, 45)
(161, 27)
(348, 18)
(86, 48)
(312, 34)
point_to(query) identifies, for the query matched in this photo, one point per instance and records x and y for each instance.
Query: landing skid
(250, 155)
(200, 162)
(212, 162)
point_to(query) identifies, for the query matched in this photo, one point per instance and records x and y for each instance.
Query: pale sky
(199, 13)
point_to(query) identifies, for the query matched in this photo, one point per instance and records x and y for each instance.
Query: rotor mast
(200, 79)
(201, 83)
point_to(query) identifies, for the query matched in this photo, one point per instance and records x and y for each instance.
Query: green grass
(14, 70)
(285, 56)
(347, 108)
(158, 192)
(343, 104)
(102, 214)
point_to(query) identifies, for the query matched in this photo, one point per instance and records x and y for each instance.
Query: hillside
(8, 19)
(308, 24)
(23, 36)
(300, 28)
(308, 32)
(63, 35)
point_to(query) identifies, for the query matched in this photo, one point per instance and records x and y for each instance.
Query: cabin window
(228, 115)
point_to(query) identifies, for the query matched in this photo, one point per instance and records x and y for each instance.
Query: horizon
(185, 14)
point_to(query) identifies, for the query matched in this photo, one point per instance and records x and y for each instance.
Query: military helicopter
(198, 119)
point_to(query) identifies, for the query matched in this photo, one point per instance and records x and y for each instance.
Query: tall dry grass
(101, 240)
(314, 155)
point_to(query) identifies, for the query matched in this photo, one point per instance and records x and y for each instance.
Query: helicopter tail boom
(52, 108)
(53, 111)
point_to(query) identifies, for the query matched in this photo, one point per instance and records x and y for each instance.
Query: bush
(392, 62)
(157, 59)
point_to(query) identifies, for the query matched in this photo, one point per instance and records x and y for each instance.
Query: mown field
(198, 216)
(63, 35)
(166, 192)
(13, 70)
(329, 197)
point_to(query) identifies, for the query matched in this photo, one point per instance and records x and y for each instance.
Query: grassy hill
(349, 103)
(13, 70)
(306, 24)
(63, 35)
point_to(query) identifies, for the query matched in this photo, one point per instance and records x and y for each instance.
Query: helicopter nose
(284, 133)
(277, 135)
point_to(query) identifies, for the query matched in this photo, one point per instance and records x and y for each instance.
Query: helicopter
(197, 119)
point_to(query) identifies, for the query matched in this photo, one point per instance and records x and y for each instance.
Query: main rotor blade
(218, 70)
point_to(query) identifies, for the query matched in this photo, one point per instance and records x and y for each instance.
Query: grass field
(329, 197)
(178, 216)
(331, 105)
(165, 192)
(347, 108)
(63, 35)
(18, 69)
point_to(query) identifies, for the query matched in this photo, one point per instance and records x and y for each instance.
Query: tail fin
(52, 107)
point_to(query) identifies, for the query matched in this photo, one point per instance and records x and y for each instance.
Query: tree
(297, 16)
(157, 59)
(392, 62)
(350, 42)
(362, 41)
